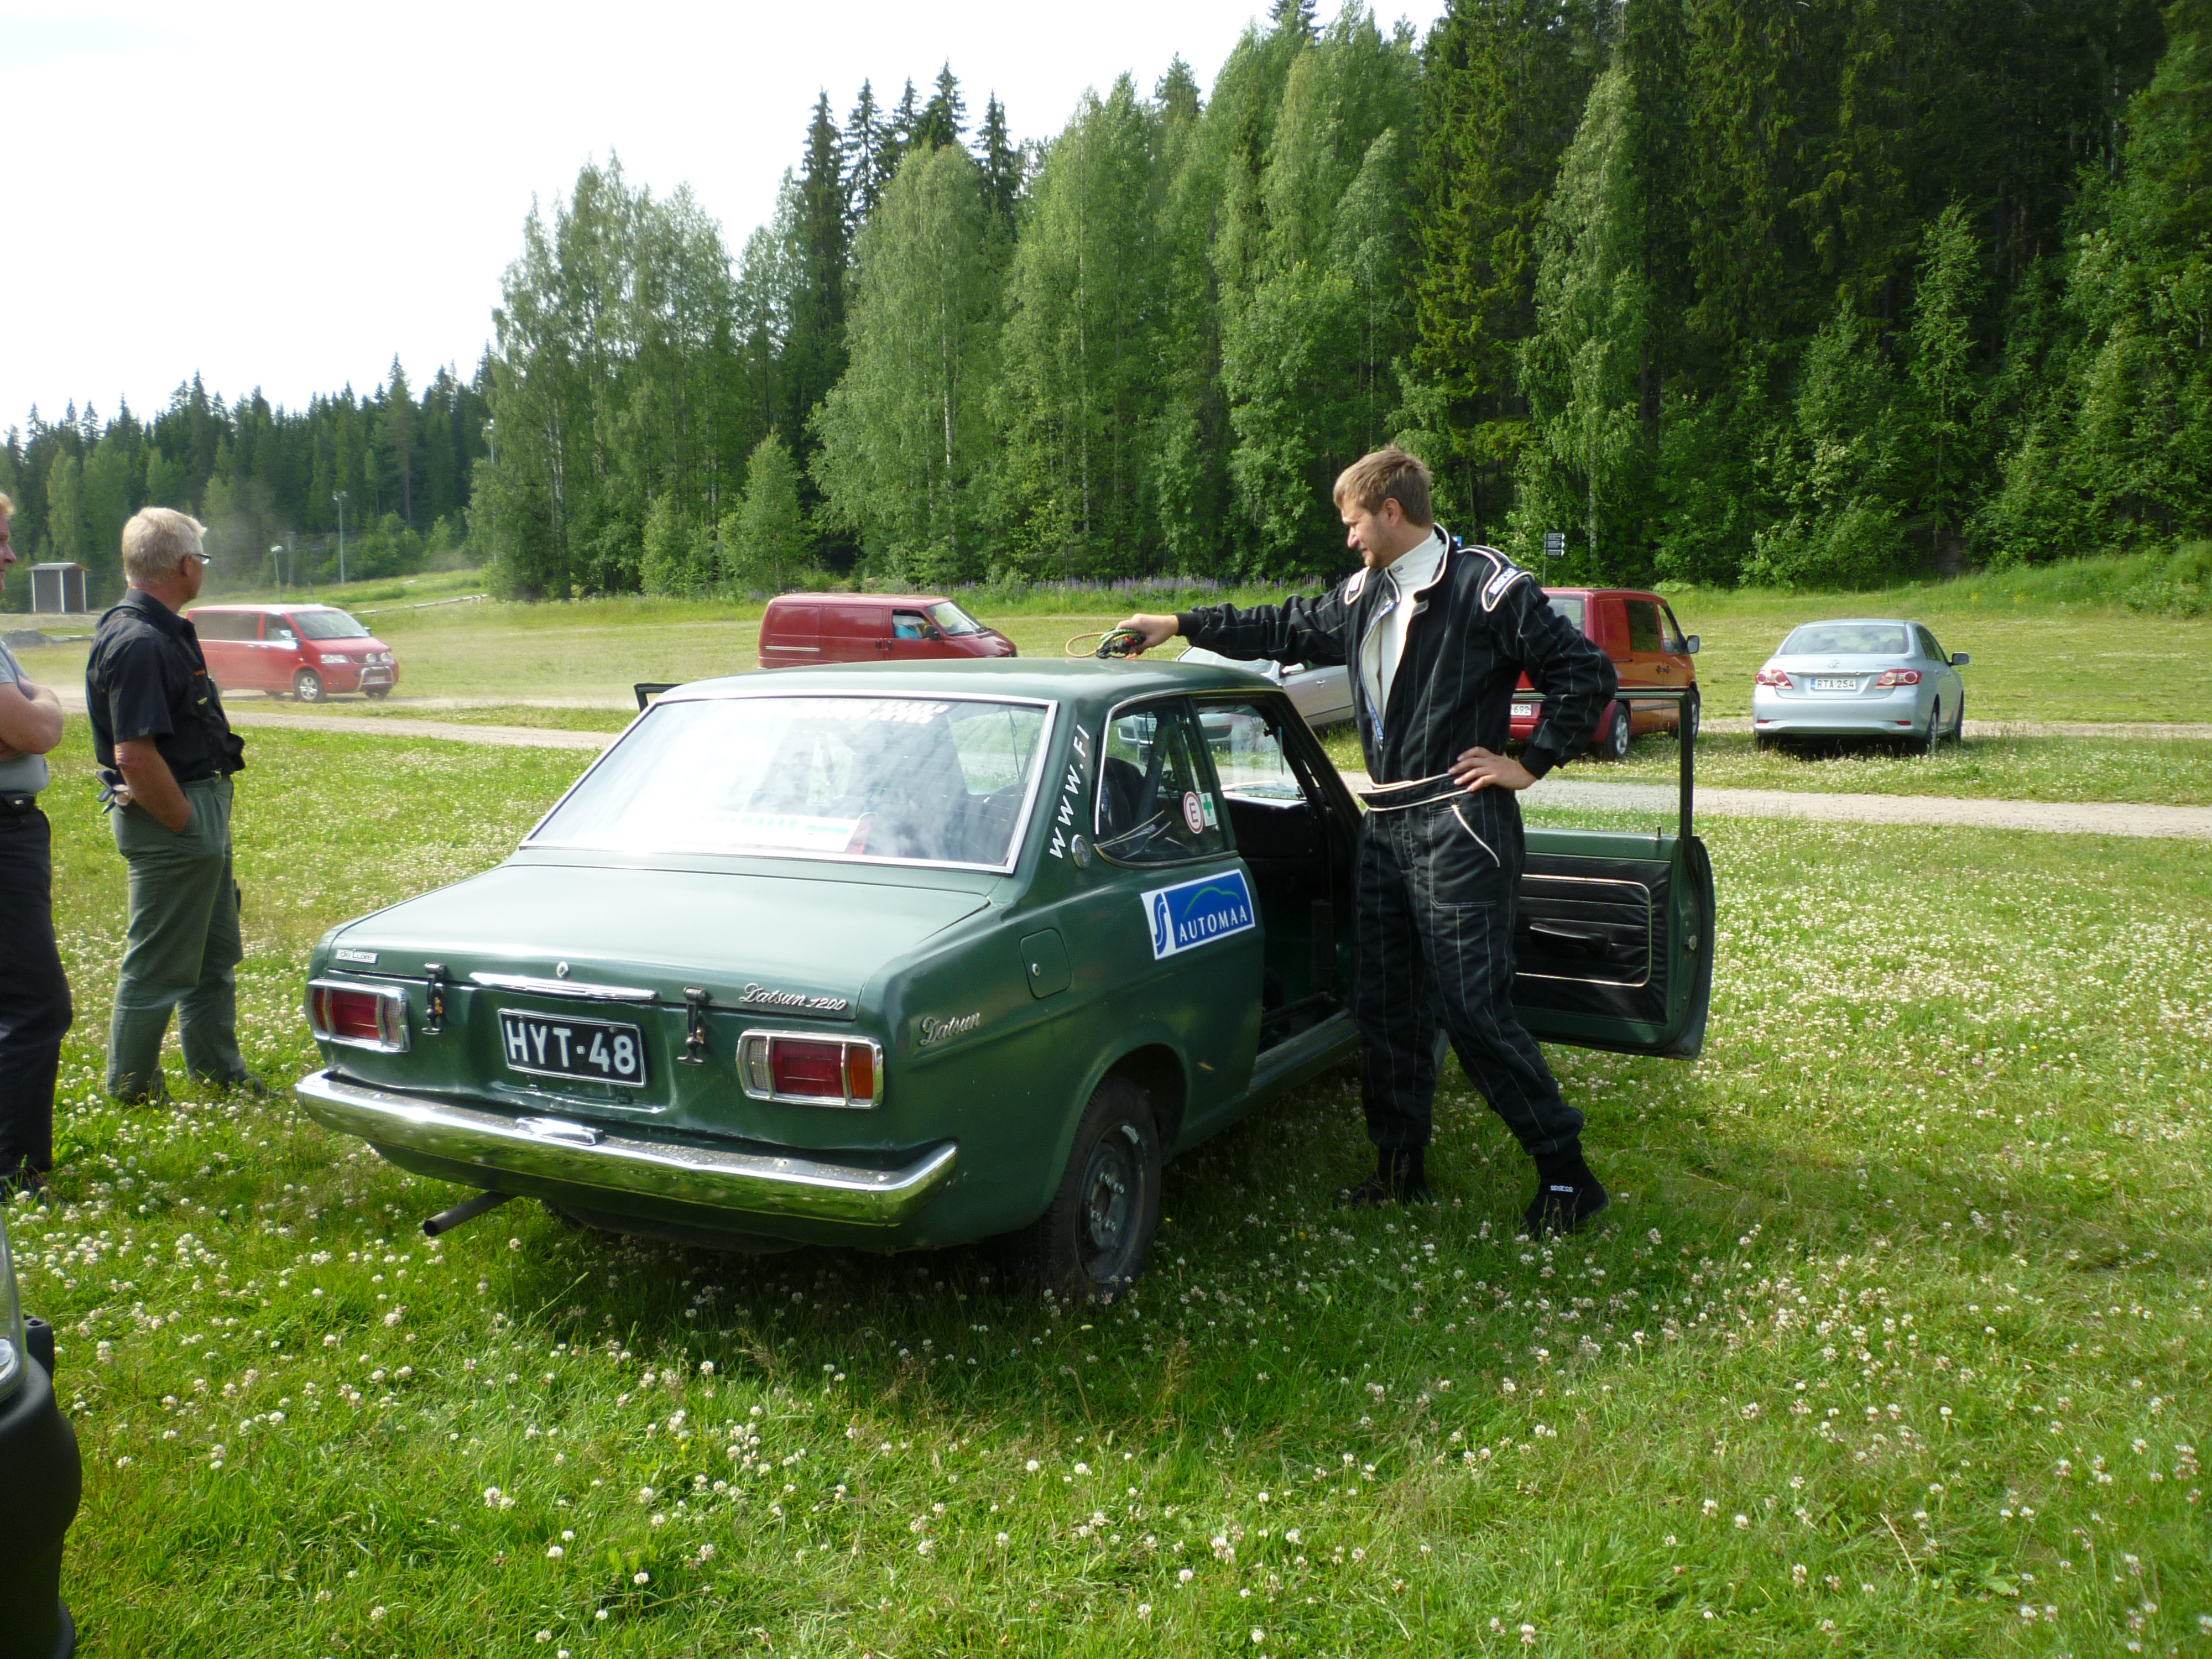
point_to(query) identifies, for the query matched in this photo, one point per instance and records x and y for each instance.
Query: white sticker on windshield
(784, 831)
(901, 711)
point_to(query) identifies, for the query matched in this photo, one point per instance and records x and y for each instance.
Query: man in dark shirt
(166, 752)
(34, 993)
(1435, 633)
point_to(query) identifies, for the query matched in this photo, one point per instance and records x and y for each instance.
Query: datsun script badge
(1194, 913)
(930, 1029)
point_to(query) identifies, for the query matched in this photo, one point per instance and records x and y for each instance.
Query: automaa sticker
(1194, 913)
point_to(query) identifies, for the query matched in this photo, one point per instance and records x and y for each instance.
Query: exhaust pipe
(468, 1210)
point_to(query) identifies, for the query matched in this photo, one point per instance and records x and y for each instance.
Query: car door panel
(1613, 933)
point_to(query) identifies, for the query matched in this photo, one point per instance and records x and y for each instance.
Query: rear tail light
(807, 1071)
(1899, 677)
(358, 1015)
(1773, 677)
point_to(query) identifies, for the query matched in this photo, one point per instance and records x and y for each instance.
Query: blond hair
(7, 507)
(156, 541)
(1387, 474)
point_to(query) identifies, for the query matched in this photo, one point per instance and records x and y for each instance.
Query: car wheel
(1763, 744)
(1957, 731)
(1091, 1243)
(306, 687)
(1612, 742)
(1923, 743)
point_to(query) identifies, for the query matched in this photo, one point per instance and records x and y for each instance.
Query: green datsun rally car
(904, 955)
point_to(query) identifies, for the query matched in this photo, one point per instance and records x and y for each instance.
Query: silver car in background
(1861, 678)
(1323, 694)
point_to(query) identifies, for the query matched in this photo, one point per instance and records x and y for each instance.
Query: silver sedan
(1321, 693)
(1860, 678)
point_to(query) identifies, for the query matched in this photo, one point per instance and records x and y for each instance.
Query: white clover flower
(1032, 1466)
(554, 1552)
(641, 1578)
(1185, 1575)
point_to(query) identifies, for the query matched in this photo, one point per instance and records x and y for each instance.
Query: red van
(1648, 648)
(804, 628)
(306, 651)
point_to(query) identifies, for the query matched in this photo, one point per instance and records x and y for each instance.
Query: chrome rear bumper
(562, 1150)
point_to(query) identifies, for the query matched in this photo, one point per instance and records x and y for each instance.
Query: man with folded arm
(166, 753)
(1438, 633)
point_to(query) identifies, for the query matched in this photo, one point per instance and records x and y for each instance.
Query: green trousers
(183, 949)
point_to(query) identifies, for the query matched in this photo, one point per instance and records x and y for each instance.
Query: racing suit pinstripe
(1435, 885)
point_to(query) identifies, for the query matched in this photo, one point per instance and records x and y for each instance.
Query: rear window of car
(1846, 639)
(1642, 625)
(900, 779)
(1569, 605)
(328, 625)
(226, 624)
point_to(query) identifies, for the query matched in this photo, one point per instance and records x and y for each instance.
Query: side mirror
(1959, 660)
(1690, 645)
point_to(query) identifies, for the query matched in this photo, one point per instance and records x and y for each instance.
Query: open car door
(1614, 942)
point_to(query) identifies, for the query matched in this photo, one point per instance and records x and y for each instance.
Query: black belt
(1415, 791)
(16, 804)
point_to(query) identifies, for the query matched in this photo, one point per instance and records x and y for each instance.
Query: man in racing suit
(1438, 633)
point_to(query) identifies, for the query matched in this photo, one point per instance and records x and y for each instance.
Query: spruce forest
(1729, 291)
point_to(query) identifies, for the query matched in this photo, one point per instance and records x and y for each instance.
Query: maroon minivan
(1648, 648)
(306, 651)
(804, 628)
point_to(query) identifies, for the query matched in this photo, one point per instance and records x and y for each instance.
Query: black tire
(1957, 731)
(1091, 1241)
(1611, 743)
(307, 686)
(1688, 730)
(376, 693)
(1763, 742)
(1923, 743)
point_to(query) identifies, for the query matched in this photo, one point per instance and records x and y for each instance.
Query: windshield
(1845, 639)
(328, 625)
(951, 619)
(1569, 605)
(914, 779)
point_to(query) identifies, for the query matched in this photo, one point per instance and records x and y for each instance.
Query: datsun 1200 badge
(913, 954)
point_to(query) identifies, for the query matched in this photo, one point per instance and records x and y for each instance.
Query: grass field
(1894, 1342)
(2046, 644)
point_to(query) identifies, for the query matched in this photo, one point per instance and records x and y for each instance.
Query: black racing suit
(1438, 870)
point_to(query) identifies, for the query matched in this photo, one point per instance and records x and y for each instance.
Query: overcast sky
(286, 195)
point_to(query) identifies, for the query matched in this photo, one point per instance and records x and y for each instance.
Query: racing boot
(1399, 1178)
(1567, 1193)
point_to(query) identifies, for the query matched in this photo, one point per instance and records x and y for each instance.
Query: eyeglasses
(204, 559)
